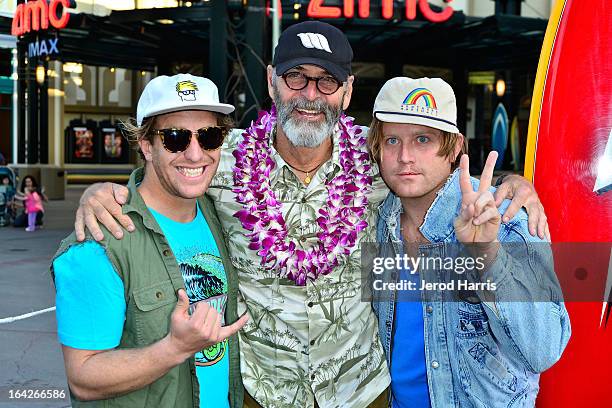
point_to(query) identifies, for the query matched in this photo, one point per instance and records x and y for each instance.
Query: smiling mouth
(191, 172)
(307, 112)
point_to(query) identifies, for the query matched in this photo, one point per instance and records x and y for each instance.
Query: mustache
(305, 104)
(284, 108)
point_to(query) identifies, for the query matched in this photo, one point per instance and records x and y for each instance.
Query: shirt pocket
(487, 377)
(153, 306)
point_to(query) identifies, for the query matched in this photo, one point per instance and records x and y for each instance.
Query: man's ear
(349, 92)
(146, 148)
(269, 74)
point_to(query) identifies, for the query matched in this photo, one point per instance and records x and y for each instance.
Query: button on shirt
(319, 339)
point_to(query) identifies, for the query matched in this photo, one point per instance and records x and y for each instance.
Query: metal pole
(217, 54)
(255, 30)
(276, 24)
(33, 146)
(43, 117)
(22, 102)
(15, 110)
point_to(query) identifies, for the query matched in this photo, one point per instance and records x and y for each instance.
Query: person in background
(7, 195)
(5, 185)
(32, 196)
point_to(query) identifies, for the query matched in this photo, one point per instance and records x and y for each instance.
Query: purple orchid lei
(341, 219)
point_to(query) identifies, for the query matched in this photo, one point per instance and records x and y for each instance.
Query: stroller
(7, 195)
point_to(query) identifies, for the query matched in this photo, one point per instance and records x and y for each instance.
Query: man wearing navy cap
(296, 194)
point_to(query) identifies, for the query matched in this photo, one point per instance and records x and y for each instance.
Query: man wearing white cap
(141, 320)
(455, 338)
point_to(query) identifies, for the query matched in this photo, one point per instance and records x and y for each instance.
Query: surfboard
(515, 145)
(569, 162)
(499, 134)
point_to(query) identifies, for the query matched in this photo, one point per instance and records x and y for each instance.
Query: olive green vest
(151, 277)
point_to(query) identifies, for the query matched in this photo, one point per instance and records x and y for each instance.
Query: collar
(439, 220)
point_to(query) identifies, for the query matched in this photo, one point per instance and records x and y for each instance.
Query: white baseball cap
(423, 101)
(165, 94)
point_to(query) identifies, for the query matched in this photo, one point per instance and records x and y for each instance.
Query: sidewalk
(30, 355)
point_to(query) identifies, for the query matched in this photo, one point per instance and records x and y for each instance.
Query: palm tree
(334, 329)
(298, 380)
(261, 380)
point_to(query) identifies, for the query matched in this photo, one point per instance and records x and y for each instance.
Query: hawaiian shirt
(303, 343)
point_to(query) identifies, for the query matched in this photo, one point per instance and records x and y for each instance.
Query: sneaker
(30, 229)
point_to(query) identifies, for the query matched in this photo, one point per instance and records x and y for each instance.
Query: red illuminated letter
(316, 9)
(17, 26)
(411, 9)
(364, 8)
(387, 9)
(62, 21)
(432, 15)
(349, 8)
(36, 16)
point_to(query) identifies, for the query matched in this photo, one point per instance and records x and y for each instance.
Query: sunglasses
(178, 140)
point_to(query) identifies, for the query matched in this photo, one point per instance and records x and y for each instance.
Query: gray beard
(302, 133)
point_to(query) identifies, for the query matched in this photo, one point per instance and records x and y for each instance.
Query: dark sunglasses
(177, 140)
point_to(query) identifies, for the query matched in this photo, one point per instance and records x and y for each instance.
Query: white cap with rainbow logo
(422, 101)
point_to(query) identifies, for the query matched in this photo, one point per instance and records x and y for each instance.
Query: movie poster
(113, 143)
(83, 143)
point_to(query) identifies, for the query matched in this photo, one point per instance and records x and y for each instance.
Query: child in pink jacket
(33, 201)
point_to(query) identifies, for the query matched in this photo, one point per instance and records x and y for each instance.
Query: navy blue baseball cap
(316, 43)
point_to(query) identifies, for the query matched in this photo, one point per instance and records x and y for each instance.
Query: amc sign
(317, 9)
(39, 14)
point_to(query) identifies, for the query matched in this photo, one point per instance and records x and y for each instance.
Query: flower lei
(341, 219)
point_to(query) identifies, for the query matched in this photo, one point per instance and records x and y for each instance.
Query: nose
(194, 152)
(405, 154)
(311, 92)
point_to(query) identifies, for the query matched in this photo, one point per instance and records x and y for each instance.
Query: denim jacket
(480, 354)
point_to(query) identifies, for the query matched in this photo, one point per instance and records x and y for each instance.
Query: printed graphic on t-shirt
(205, 281)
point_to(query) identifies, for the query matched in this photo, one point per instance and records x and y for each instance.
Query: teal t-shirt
(91, 305)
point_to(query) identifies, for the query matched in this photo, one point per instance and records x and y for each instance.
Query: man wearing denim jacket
(483, 346)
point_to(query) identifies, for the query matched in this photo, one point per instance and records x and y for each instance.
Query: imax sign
(41, 48)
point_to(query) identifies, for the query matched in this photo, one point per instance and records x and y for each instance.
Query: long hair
(23, 183)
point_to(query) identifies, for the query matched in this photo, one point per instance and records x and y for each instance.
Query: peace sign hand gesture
(479, 218)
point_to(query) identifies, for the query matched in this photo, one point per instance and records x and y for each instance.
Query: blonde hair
(447, 148)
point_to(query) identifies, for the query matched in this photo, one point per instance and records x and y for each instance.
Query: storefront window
(115, 87)
(79, 84)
